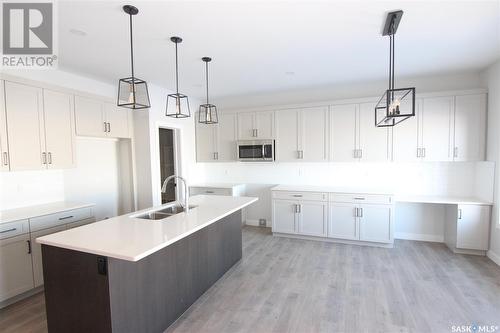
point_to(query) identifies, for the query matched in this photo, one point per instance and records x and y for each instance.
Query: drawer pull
(8, 230)
(209, 192)
(65, 218)
(297, 195)
(359, 198)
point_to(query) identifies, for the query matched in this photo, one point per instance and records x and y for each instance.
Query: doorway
(167, 162)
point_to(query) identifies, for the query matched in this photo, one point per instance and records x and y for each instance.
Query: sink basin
(163, 213)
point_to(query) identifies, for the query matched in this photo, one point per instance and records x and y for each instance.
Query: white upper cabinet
(436, 129)
(206, 138)
(343, 134)
(117, 119)
(59, 131)
(256, 125)
(24, 114)
(226, 137)
(4, 149)
(373, 141)
(313, 142)
(405, 136)
(100, 119)
(287, 135)
(470, 128)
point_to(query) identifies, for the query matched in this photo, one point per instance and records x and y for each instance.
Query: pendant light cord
(176, 70)
(131, 50)
(206, 67)
(391, 60)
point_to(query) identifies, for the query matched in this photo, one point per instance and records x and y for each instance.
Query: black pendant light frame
(181, 100)
(207, 112)
(132, 92)
(387, 111)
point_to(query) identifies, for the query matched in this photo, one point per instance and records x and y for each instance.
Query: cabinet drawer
(210, 191)
(15, 228)
(69, 216)
(361, 198)
(80, 223)
(312, 196)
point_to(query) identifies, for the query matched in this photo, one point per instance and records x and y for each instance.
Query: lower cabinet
(16, 274)
(343, 222)
(285, 216)
(375, 223)
(300, 217)
(467, 228)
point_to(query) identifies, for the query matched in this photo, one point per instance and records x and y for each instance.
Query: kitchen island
(135, 273)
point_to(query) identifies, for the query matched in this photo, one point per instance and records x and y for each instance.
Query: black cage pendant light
(177, 104)
(396, 104)
(207, 112)
(132, 91)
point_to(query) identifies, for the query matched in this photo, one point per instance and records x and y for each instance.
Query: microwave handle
(263, 152)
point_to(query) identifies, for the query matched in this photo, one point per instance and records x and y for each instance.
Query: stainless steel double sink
(163, 213)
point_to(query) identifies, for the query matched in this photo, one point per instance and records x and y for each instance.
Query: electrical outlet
(262, 222)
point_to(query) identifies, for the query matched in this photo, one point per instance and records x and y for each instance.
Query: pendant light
(132, 91)
(177, 104)
(396, 104)
(207, 112)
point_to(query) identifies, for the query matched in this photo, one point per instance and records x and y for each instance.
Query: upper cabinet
(373, 141)
(436, 119)
(469, 137)
(4, 149)
(99, 119)
(256, 125)
(405, 137)
(217, 142)
(287, 135)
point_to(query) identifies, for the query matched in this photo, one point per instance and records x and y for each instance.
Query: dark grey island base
(90, 293)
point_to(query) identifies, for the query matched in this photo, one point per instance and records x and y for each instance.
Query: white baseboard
(494, 257)
(255, 223)
(419, 237)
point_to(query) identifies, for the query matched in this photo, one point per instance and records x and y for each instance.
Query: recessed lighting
(77, 32)
(289, 73)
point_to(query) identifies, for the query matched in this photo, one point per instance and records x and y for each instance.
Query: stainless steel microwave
(255, 150)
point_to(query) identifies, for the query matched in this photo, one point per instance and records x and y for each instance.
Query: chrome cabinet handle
(418, 153)
(29, 246)
(8, 230)
(216, 155)
(455, 152)
(356, 212)
(297, 195)
(360, 153)
(109, 127)
(44, 158)
(423, 152)
(355, 153)
(301, 154)
(50, 157)
(256, 132)
(300, 208)
(105, 127)
(209, 192)
(459, 214)
(5, 158)
(65, 218)
(359, 198)
(361, 212)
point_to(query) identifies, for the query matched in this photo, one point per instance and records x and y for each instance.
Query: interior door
(16, 275)
(36, 252)
(118, 121)
(89, 117)
(4, 151)
(436, 128)
(470, 128)
(375, 223)
(205, 142)
(287, 135)
(343, 132)
(473, 227)
(314, 134)
(25, 126)
(264, 124)
(246, 126)
(284, 216)
(59, 131)
(226, 137)
(405, 136)
(342, 222)
(373, 141)
(312, 218)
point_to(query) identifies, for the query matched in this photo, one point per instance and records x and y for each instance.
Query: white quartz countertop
(129, 238)
(216, 185)
(328, 189)
(451, 200)
(39, 210)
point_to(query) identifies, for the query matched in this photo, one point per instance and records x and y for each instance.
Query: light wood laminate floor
(290, 285)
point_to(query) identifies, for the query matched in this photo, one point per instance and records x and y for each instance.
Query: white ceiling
(255, 45)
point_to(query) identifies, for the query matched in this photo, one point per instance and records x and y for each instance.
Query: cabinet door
(59, 131)
(287, 135)
(405, 136)
(375, 223)
(473, 226)
(118, 121)
(89, 117)
(264, 124)
(16, 274)
(470, 128)
(205, 142)
(284, 216)
(436, 128)
(26, 140)
(36, 252)
(343, 132)
(312, 218)
(342, 222)
(246, 126)
(373, 141)
(226, 137)
(313, 141)
(4, 151)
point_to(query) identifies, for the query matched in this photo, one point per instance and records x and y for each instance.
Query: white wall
(491, 78)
